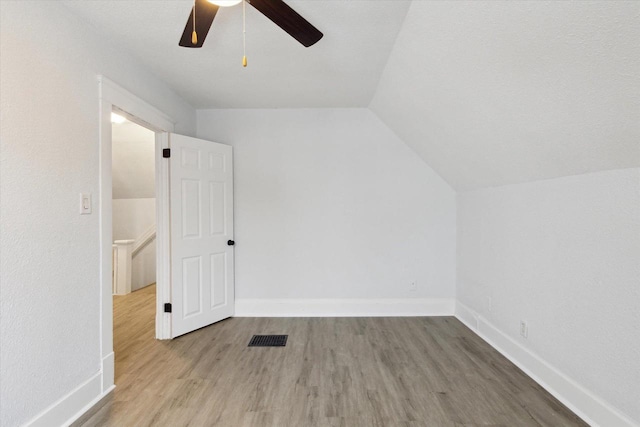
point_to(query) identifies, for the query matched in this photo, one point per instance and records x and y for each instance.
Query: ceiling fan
(203, 11)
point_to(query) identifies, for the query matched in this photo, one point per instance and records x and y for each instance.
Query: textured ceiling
(133, 161)
(341, 70)
(493, 93)
(487, 93)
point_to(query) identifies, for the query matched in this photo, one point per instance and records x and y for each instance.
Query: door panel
(219, 273)
(218, 208)
(201, 187)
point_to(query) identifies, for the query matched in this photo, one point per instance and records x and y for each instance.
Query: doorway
(134, 235)
(133, 205)
(194, 225)
(115, 99)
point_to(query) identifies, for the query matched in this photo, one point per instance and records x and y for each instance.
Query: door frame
(114, 98)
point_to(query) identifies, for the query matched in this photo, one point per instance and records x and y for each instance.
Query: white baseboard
(72, 406)
(344, 307)
(581, 401)
(108, 371)
(62, 412)
(88, 406)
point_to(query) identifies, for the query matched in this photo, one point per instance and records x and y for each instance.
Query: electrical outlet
(413, 286)
(524, 329)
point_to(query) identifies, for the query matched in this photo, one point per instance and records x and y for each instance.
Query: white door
(201, 187)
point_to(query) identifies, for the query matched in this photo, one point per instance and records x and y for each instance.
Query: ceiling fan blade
(205, 12)
(289, 20)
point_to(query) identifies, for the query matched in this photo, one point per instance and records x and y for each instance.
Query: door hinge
(166, 153)
(167, 307)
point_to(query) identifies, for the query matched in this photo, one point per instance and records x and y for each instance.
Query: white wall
(50, 305)
(143, 267)
(319, 194)
(131, 219)
(329, 203)
(564, 255)
(134, 210)
(491, 93)
(133, 161)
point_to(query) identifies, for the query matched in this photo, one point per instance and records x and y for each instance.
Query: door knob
(230, 242)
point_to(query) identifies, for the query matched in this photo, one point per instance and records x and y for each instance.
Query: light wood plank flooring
(333, 372)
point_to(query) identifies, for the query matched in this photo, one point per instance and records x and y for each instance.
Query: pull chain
(194, 35)
(244, 35)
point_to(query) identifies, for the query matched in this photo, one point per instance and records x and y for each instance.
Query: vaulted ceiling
(492, 93)
(342, 70)
(487, 93)
(133, 161)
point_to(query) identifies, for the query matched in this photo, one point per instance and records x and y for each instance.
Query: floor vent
(268, 341)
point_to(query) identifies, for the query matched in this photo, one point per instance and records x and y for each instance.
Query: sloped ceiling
(342, 70)
(492, 93)
(487, 93)
(133, 149)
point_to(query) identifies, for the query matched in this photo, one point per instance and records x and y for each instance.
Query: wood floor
(333, 372)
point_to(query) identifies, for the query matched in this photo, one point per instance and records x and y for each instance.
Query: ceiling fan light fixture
(277, 11)
(225, 3)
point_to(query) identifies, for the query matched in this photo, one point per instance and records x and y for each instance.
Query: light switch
(85, 203)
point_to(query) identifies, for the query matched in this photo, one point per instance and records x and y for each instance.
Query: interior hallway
(333, 372)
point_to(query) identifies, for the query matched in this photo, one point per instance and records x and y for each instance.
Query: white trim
(589, 407)
(65, 411)
(163, 238)
(143, 240)
(133, 108)
(467, 316)
(349, 307)
(122, 267)
(113, 97)
(88, 406)
(108, 372)
(106, 234)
